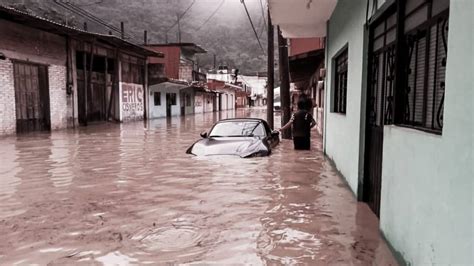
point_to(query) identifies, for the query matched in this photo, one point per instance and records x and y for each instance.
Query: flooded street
(128, 194)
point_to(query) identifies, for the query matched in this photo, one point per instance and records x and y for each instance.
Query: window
(340, 84)
(157, 98)
(425, 39)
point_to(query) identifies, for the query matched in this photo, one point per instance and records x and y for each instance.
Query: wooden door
(380, 96)
(31, 97)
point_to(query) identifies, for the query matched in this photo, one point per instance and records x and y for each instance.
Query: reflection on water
(128, 194)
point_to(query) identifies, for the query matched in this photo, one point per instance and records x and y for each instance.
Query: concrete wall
(427, 194)
(26, 44)
(343, 131)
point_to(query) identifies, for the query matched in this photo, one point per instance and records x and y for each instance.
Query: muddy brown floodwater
(128, 194)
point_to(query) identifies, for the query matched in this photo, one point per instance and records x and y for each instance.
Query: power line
(212, 15)
(83, 13)
(253, 27)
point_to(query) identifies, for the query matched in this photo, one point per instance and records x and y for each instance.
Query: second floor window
(340, 84)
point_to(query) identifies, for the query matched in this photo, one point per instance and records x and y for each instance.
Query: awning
(169, 85)
(301, 18)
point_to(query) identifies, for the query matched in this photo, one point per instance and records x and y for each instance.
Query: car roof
(241, 120)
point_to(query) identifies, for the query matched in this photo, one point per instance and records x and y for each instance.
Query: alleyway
(129, 194)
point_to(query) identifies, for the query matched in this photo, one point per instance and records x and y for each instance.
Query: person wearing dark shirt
(301, 122)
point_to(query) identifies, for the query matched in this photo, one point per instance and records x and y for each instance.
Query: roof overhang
(191, 47)
(301, 18)
(40, 23)
(303, 66)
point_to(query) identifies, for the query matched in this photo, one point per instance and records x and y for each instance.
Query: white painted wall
(427, 194)
(343, 131)
(199, 103)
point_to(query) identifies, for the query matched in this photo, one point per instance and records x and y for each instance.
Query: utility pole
(270, 72)
(214, 61)
(179, 29)
(285, 83)
(122, 30)
(145, 37)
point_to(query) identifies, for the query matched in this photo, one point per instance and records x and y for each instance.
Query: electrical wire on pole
(211, 16)
(263, 15)
(179, 17)
(253, 27)
(85, 14)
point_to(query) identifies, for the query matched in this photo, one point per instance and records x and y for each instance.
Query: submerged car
(244, 137)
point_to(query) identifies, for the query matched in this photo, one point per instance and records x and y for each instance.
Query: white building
(398, 118)
(171, 98)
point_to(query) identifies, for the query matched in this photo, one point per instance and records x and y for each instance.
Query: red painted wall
(303, 45)
(215, 84)
(171, 60)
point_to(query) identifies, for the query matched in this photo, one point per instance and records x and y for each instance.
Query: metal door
(31, 97)
(381, 81)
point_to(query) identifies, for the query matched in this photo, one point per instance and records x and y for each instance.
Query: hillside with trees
(219, 26)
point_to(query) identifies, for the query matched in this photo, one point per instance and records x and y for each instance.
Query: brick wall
(58, 100)
(27, 44)
(186, 71)
(7, 98)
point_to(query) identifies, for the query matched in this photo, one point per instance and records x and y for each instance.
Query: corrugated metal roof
(41, 23)
(185, 45)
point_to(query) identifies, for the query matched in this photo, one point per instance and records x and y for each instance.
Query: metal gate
(379, 104)
(31, 97)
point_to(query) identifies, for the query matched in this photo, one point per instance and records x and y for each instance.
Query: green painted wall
(427, 196)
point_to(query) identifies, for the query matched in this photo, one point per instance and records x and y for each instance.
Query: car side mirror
(204, 135)
(275, 133)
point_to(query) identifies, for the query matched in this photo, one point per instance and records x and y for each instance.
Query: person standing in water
(301, 122)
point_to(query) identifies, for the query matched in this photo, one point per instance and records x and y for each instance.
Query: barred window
(425, 38)
(340, 84)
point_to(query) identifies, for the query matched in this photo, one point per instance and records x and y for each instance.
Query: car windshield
(238, 129)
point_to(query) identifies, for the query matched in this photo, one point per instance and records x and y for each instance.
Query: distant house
(222, 95)
(175, 79)
(53, 76)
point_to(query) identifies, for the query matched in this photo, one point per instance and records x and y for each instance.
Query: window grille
(426, 33)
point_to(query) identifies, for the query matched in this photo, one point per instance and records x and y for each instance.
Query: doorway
(170, 101)
(381, 81)
(31, 97)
